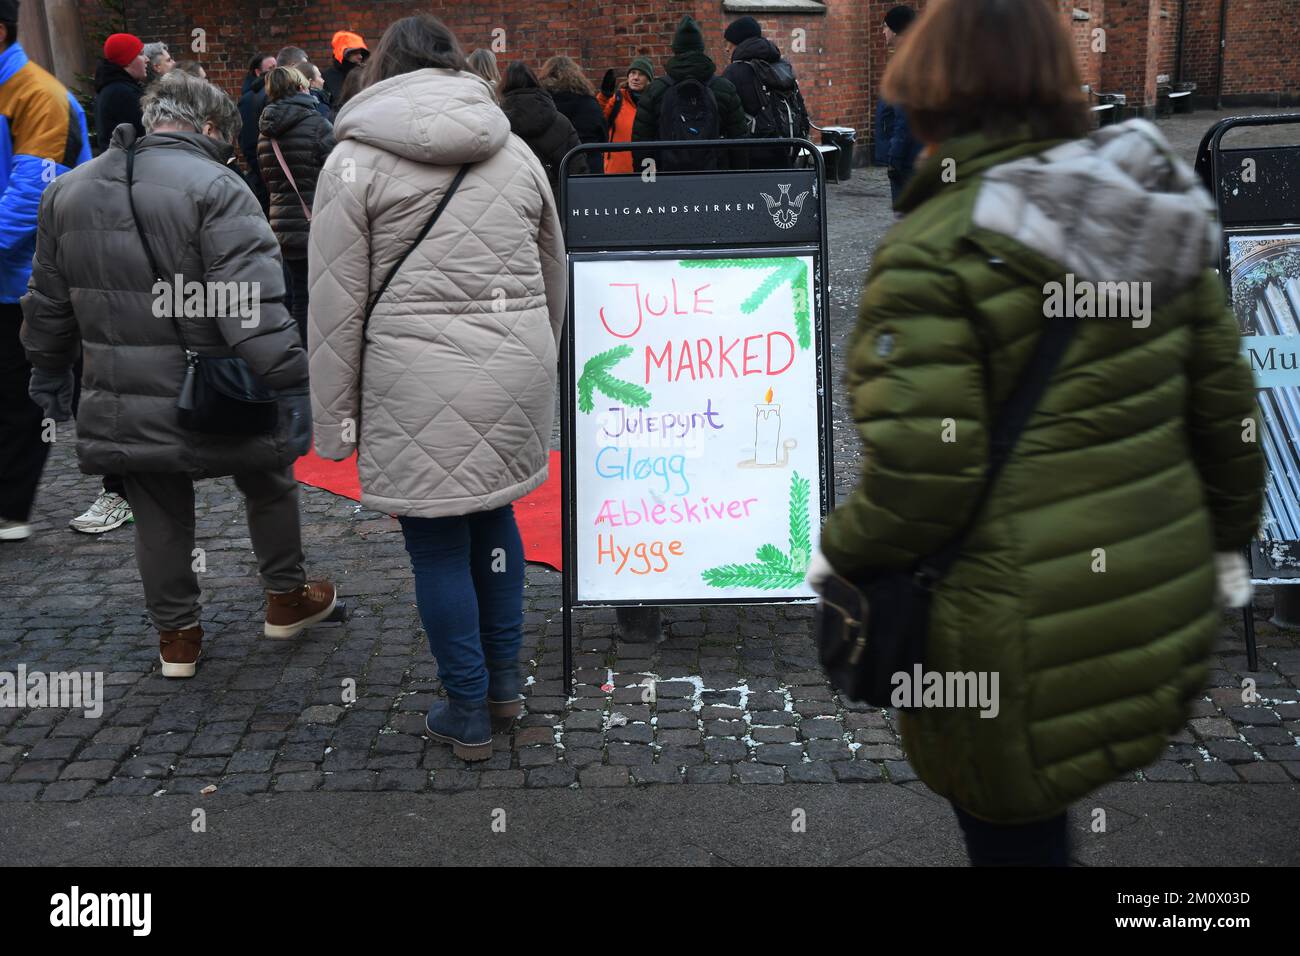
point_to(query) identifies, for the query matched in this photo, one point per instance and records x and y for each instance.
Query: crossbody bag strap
(442, 204)
(144, 241)
(279, 156)
(1008, 425)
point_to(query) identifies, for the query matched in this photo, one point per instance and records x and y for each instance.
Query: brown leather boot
(289, 613)
(178, 651)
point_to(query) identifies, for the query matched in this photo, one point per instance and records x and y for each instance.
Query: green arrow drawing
(774, 568)
(784, 270)
(595, 377)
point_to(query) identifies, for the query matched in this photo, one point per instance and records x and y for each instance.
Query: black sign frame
(1269, 202)
(669, 244)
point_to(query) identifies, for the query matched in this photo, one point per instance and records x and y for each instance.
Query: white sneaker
(15, 531)
(108, 512)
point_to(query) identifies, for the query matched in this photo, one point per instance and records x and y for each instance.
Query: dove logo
(785, 211)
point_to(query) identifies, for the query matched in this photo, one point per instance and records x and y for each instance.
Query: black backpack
(689, 111)
(781, 111)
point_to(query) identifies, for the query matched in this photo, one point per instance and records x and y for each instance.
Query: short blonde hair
(285, 81)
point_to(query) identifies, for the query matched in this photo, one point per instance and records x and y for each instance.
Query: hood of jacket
(693, 64)
(435, 116)
(222, 153)
(756, 48)
(282, 115)
(563, 98)
(1114, 206)
(531, 111)
(106, 73)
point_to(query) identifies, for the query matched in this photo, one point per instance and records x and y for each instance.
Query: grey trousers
(163, 504)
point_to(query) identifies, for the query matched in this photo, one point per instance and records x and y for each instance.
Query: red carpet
(538, 514)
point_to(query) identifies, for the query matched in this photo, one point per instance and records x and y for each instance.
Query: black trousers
(295, 273)
(1041, 843)
(22, 447)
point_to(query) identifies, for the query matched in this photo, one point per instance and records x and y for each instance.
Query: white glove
(1232, 584)
(819, 569)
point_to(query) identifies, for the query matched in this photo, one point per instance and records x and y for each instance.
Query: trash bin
(842, 138)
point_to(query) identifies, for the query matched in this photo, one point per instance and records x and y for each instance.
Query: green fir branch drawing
(800, 531)
(774, 569)
(785, 270)
(595, 377)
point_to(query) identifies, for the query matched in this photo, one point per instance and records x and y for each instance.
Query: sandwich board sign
(697, 462)
(1259, 209)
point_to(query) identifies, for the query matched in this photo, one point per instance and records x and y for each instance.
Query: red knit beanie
(122, 48)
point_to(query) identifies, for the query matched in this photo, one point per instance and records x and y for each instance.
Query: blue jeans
(1041, 843)
(469, 586)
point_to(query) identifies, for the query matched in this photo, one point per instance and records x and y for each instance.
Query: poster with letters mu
(696, 428)
(1265, 281)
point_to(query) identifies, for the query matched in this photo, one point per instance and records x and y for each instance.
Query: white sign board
(697, 469)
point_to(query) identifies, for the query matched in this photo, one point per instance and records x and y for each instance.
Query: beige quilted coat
(451, 396)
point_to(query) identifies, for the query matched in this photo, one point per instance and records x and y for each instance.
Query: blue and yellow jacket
(42, 134)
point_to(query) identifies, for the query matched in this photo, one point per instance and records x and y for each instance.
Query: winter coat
(1086, 583)
(742, 76)
(341, 45)
(452, 391)
(305, 139)
(117, 101)
(42, 130)
(620, 114)
(251, 105)
(91, 281)
(588, 120)
(547, 131)
(695, 65)
(894, 144)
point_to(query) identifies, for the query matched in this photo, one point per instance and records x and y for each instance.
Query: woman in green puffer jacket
(1088, 582)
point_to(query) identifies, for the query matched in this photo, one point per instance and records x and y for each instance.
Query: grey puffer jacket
(91, 282)
(451, 388)
(306, 138)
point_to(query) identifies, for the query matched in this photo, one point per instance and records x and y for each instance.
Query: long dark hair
(519, 76)
(989, 65)
(413, 43)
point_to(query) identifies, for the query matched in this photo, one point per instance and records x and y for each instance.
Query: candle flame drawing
(767, 431)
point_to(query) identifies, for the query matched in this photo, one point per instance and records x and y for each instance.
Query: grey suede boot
(504, 696)
(464, 724)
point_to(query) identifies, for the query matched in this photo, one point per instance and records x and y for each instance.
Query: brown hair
(353, 83)
(560, 74)
(413, 43)
(284, 81)
(988, 65)
(484, 63)
(519, 76)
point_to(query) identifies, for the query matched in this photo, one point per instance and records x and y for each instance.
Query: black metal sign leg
(1252, 655)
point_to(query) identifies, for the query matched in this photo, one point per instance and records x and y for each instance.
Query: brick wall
(840, 55)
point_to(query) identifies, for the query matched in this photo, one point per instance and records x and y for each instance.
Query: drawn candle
(767, 431)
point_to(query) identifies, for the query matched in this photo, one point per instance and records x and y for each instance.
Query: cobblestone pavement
(737, 695)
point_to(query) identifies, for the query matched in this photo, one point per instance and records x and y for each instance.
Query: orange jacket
(621, 128)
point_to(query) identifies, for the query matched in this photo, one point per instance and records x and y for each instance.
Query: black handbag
(220, 395)
(869, 631)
